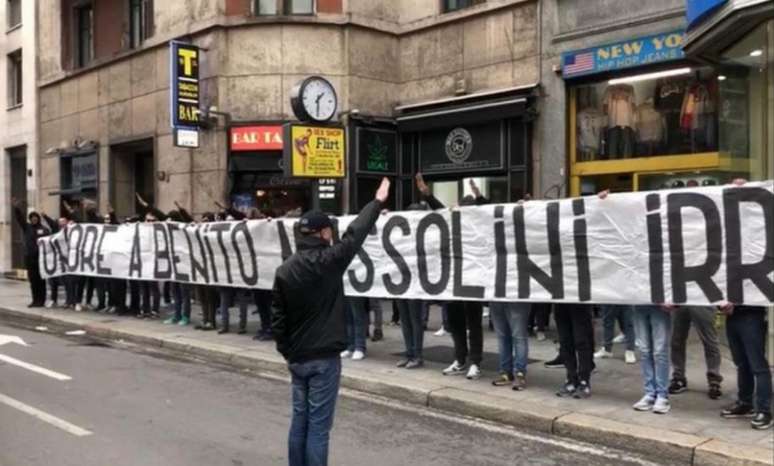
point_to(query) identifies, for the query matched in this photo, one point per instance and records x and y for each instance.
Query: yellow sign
(317, 151)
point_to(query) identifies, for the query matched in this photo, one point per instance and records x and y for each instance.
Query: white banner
(692, 246)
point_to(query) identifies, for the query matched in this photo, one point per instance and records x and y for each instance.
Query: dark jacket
(308, 317)
(31, 232)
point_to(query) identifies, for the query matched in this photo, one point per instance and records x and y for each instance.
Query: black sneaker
(566, 390)
(583, 391)
(737, 410)
(714, 391)
(555, 363)
(678, 386)
(378, 335)
(761, 421)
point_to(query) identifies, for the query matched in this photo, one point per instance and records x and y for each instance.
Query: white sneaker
(541, 336)
(474, 373)
(358, 355)
(78, 308)
(455, 369)
(49, 304)
(662, 405)
(629, 357)
(440, 333)
(603, 354)
(620, 338)
(346, 354)
(645, 403)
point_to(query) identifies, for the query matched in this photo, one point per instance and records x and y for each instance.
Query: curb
(671, 446)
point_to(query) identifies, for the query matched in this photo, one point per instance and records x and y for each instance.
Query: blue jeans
(263, 303)
(746, 332)
(510, 323)
(182, 297)
(412, 325)
(623, 314)
(228, 295)
(315, 389)
(653, 325)
(357, 323)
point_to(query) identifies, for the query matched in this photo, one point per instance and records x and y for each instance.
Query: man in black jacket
(33, 229)
(309, 324)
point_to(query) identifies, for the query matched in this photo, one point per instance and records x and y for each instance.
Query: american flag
(579, 63)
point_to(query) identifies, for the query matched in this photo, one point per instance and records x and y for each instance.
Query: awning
(725, 26)
(465, 110)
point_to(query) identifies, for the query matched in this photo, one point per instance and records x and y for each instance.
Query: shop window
(14, 13)
(743, 80)
(454, 5)
(285, 7)
(15, 79)
(84, 35)
(662, 113)
(140, 21)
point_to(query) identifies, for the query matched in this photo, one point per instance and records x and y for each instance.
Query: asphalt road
(125, 406)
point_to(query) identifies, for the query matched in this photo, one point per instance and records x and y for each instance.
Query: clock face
(319, 99)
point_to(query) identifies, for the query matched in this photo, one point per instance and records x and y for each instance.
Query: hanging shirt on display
(650, 123)
(619, 105)
(591, 125)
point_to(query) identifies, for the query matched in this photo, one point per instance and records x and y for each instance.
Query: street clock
(314, 99)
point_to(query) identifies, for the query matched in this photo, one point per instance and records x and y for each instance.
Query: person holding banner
(653, 327)
(464, 316)
(309, 324)
(746, 332)
(703, 319)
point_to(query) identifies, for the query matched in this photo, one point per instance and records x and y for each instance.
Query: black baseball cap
(313, 222)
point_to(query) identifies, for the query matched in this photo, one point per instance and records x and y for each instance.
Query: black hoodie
(31, 232)
(308, 317)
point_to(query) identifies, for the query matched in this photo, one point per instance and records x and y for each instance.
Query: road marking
(45, 417)
(11, 339)
(34, 368)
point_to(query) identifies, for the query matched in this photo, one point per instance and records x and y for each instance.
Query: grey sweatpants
(703, 318)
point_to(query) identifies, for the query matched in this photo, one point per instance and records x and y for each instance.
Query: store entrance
(451, 191)
(132, 171)
(272, 193)
(18, 158)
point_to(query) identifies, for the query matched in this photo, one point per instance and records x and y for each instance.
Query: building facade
(18, 137)
(104, 98)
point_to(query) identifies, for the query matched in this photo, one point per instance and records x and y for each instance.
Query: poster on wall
(314, 151)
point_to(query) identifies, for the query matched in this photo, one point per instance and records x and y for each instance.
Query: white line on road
(45, 417)
(34, 368)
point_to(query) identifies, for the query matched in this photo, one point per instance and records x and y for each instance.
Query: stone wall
(387, 57)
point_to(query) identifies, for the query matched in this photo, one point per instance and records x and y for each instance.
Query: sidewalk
(693, 433)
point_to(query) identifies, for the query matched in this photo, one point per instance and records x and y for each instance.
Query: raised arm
(18, 214)
(342, 253)
(431, 200)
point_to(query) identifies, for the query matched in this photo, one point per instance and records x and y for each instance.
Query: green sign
(377, 151)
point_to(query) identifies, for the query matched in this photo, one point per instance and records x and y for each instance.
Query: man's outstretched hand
(384, 190)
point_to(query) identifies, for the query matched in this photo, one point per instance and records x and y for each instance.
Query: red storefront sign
(249, 138)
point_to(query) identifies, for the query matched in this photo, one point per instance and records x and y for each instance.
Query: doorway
(18, 158)
(132, 169)
(451, 192)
